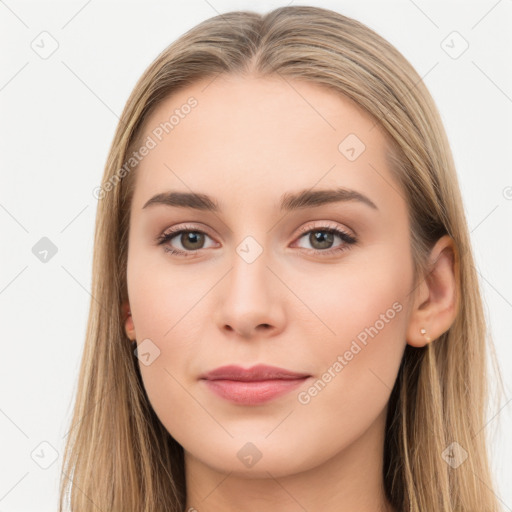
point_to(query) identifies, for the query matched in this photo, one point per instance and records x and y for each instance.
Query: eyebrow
(289, 201)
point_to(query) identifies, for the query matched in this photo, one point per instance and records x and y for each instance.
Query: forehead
(256, 136)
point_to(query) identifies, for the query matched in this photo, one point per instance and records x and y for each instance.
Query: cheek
(166, 305)
(160, 294)
(167, 332)
(366, 300)
(362, 318)
(357, 370)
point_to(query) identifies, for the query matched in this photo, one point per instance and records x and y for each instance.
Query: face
(315, 284)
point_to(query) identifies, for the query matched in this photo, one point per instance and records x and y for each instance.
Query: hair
(118, 455)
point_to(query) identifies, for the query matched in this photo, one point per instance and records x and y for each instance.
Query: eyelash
(345, 237)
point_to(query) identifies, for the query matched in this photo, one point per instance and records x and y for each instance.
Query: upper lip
(256, 373)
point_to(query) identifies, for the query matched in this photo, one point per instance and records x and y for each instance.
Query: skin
(248, 141)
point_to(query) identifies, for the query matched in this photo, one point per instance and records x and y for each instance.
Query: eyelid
(185, 227)
(327, 226)
(304, 229)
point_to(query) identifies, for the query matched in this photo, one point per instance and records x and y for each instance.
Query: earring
(423, 331)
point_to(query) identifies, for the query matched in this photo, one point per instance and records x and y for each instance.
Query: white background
(58, 117)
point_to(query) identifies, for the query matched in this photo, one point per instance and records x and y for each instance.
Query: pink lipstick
(252, 386)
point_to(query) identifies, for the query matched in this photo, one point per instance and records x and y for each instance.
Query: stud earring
(424, 332)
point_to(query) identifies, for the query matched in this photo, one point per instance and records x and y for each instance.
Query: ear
(128, 321)
(436, 300)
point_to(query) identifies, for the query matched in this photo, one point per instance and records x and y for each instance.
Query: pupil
(190, 238)
(323, 237)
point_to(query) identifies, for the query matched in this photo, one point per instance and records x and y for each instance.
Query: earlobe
(420, 339)
(423, 331)
(436, 303)
(128, 321)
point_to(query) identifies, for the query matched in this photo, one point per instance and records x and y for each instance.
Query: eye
(322, 238)
(190, 239)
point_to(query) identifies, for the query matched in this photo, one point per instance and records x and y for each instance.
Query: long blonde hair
(118, 455)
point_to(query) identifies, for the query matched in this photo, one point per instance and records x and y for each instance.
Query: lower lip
(253, 393)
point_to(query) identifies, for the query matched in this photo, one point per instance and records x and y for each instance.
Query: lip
(256, 373)
(252, 386)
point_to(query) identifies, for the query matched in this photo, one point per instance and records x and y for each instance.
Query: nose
(250, 299)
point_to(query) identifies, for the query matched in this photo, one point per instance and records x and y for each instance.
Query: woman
(281, 236)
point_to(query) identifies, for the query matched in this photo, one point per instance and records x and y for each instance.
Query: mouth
(260, 372)
(252, 386)
(252, 392)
